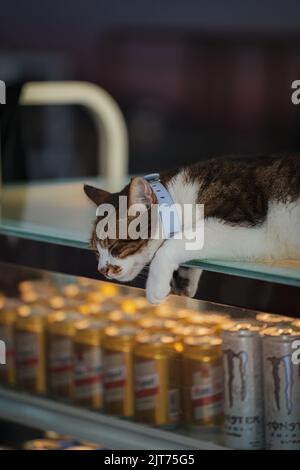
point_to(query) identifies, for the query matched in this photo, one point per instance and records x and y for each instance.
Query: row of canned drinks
(165, 368)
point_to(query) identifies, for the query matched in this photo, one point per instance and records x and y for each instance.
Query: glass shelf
(59, 213)
(50, 211)
(43, 413)
(282, 272)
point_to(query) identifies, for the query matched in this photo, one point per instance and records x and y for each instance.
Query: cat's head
(123, 257)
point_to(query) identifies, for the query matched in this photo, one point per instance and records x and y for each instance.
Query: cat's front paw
(157, 289)
(159, 279)
(185, 281)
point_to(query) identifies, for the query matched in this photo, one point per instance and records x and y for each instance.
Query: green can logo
(2, 92)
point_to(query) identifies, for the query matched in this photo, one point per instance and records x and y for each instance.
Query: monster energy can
(243, 390)
(282, 387)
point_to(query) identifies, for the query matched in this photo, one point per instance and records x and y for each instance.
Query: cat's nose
(110, 270)
(104, 270)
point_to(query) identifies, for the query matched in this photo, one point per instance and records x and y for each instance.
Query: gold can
(103, 292)
(219, 320)
(36, 284)
(81, 447)
(88, 363)
(8, 316)
(271, 319)
(42, 444)
(34, 299)
(157, 379)
(296, 323)
(154, 324)
(118, 345)
(75, 291)
(202, 381)
(42, 286)
(122, 318)
(167, 306)
(30, 341)
(87, 282)
(183, 330)
(142, 304)
(95, 297)
(50, 444)
(100, 310)
(177, 314)
(108, 289)
(136, 305)
(58, 302)
(91, 309)
(60, 345)
(36, 292)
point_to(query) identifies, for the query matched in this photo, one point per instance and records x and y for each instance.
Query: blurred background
(194, 79)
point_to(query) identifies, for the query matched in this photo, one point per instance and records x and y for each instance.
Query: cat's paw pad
(185, 281)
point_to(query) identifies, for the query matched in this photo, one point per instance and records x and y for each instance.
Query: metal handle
(111, 125)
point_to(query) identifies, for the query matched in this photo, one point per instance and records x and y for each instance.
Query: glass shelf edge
(234, 268)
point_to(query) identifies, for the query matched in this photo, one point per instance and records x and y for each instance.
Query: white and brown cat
(251, 212)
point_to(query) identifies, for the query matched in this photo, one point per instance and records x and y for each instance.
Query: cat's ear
(140, 192)
(96, 195)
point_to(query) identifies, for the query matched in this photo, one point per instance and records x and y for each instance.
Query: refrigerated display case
(44, 233)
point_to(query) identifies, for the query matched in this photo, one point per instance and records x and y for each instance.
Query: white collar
(171, 225)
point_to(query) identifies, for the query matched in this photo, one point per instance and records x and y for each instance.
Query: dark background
(193, 78)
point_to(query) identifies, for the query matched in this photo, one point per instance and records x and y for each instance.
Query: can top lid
(63, 322)
(30, 297)
(58, 302)
(149, 321)
(208, 317)
(141, 302)
(195, 330)
(272, 318)
(95, 297)
(128, 305)
(279, 331)
(58, 443)
(107, 305)
(74, 290)
(126, 330)
(243, 325)
(89, 308)
(135, 304)
(156, 339)
(108, 289)
(65, 316)
(203, 341)
(25, 311)
(119, 315)
(169, 312)
(91, 324)
(39, 287)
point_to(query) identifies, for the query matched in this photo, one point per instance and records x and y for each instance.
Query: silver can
(243, 388)
(281, 359)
